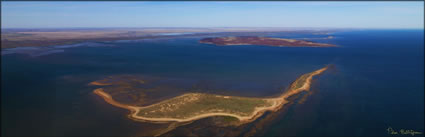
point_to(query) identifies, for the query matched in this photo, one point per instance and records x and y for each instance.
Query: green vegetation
(191, 106)
(194, 104)
(229, 119)
(301, 81)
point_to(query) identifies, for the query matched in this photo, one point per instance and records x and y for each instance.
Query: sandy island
(266, 104)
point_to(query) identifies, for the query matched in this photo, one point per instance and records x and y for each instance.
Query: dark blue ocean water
(378, 82)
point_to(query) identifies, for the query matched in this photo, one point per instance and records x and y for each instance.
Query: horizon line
(195, 27)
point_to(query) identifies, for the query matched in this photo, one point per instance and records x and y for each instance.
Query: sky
(325, 14)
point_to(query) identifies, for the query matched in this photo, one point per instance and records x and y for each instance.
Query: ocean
(377, 83)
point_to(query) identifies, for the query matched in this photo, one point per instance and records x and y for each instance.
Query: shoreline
(278, 103)
(247, 44)
(262, 41)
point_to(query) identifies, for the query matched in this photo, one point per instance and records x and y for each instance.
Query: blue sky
(213, 14)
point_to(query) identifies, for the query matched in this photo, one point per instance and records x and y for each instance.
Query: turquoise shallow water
(377, 83)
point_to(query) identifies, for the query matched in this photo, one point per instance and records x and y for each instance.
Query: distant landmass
(265, 41)
(12, 38)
